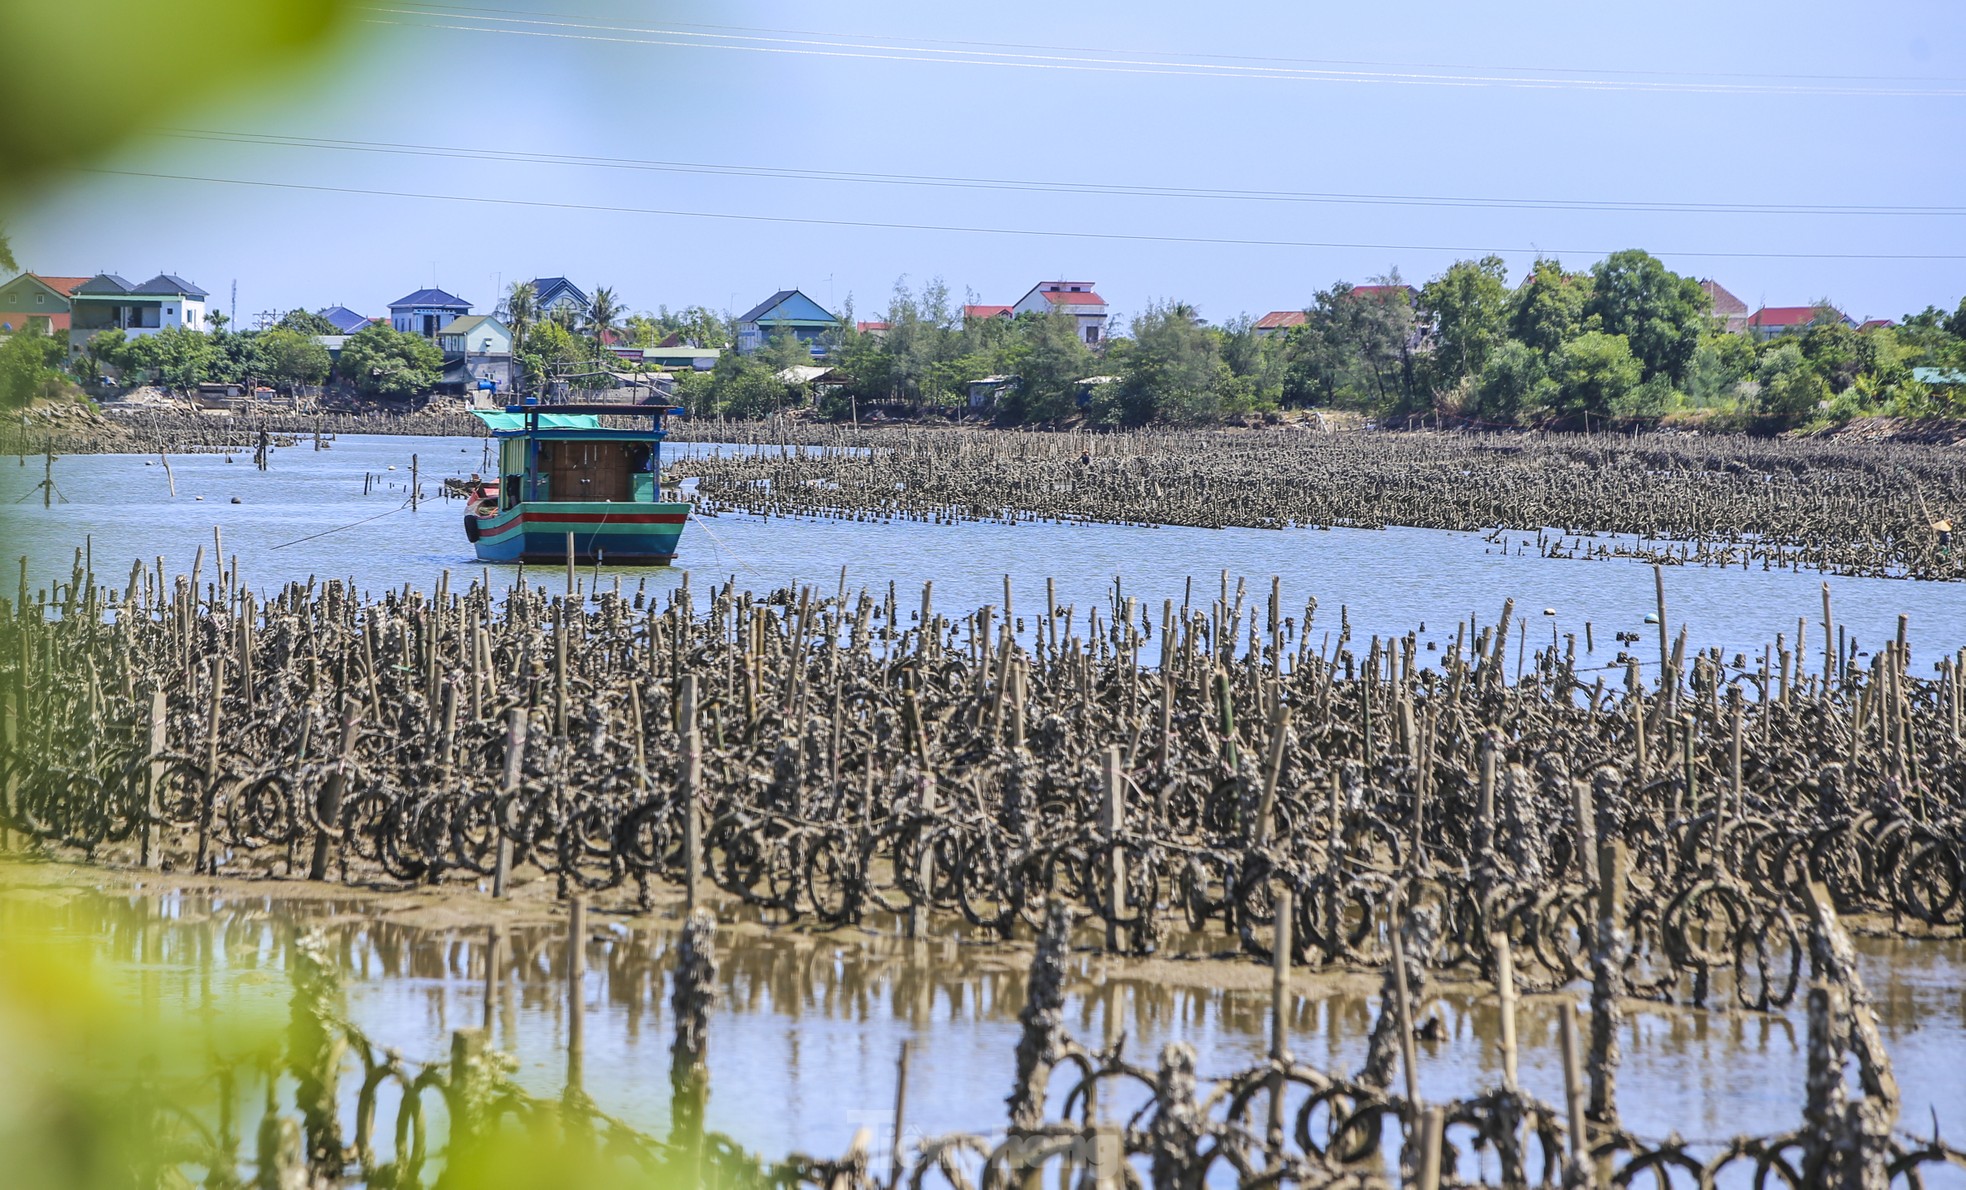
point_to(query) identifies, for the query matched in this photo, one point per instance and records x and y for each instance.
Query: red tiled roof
(1070, 298)
(1278, 319)
(66, 286)
(1876, 323)
(865, 327)
(986, 311)
(1784, 316)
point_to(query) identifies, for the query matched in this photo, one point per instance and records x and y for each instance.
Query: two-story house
(31, 302)
(1076, 298)
(108, 302)
(557, 297)
(426, 312)
(787, 312)
(477, 350)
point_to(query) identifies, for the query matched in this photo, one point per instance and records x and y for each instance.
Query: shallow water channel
(807, 1028)
(307, 515)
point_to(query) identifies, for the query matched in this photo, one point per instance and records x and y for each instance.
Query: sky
(1238, 158)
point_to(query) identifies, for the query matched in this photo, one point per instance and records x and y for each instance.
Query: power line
(1217, 241)
(467, 18)
(513, 156)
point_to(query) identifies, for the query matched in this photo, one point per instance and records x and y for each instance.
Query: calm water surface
(308, 515)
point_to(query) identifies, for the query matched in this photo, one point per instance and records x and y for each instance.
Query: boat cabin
(547, 454)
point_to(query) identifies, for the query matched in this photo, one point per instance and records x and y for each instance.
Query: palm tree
(603, 317)
(521, 311)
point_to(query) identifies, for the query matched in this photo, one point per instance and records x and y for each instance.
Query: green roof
(499, 420)
(1947, 376)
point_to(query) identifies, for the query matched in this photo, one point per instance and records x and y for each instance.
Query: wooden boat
(565, 480)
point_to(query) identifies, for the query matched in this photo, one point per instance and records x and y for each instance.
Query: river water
(308, 516)
(806, 1030)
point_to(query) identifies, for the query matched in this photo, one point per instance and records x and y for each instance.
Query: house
(1730, 310)
(979, 313)
(477, 353)
(985, 392)
(1877, 324)
(345, 321)
(877, 329)
(672, 356)
(1770, 321)
(1940, 377)
(1278, 322)
(426, 312)
(31, 302)
(787, 312)
(551, 296)
(107, 302)
(1076, 298)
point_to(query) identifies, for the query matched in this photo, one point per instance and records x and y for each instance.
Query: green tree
(306, 322)
(7, 262)
(1046, 354)
(1790, 386)
(521, 311)
(1169, 371)
(1661, 314)
(380, 361)
(1594, 373)
(1719, 364)
(291, 358)
(1516, 384)
(603, 318)
(1549, 307)
(1469, 307)
(1353, 349)
(29, 368)
(176, 357)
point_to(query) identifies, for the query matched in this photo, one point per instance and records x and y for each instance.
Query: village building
(37, 304)
(1278, 322)
(787, 312)
(1076, 298)
(557, 297)
(107, 302)
(344, 320)
(1730, 310)
(426, 312)
(1770, 321)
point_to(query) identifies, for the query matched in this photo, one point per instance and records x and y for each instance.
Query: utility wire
(513, 156)
(1218, 241)
(464, 18)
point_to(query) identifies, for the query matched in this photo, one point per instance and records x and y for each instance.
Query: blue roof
(169, 285)
(105, 283)
(544, 289)
(788, 305)
(432, 297)
(1944, 376)
(345, 320)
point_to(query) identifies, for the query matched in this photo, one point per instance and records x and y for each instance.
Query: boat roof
(500, 421)
(573, 421)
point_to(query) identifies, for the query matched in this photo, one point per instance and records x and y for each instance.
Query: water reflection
(805, 1033)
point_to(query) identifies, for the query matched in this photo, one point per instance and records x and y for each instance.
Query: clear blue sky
(1804, 104)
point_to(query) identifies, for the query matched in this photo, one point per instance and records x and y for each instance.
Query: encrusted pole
(694, 992)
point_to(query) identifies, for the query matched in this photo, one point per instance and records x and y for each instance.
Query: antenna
(235, 301)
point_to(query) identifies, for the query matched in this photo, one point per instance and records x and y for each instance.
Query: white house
(108, 302)
(477, 352)
(1076, 298)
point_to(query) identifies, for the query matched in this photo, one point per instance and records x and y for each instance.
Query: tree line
(1626, 341)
